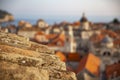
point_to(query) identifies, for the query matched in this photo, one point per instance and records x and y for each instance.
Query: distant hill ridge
(4, 13)
(5, 16)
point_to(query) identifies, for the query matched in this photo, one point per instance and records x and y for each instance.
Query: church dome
(83, 19)
(40, 20)
(107, 39)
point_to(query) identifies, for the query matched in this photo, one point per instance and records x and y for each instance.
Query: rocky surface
(21, 59)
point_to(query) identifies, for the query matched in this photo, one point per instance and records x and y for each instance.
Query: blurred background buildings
(90, 47)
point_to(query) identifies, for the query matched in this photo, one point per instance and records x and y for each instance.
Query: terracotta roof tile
(97, 38)
(90, 63)
(73, 57)
(113, 69)
(117, 42)
(110, 33)
(61, 56)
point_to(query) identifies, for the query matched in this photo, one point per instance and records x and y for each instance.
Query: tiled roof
(76, 23)
(61, 56)
(117, 41)
(113, 70)
(91, 63)
(40, 33)
(97, 38)
(30, 29)
(110, 33)
(73, 57)
(59, 38)
(53, 39)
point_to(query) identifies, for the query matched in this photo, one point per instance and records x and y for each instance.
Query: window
(107, 54)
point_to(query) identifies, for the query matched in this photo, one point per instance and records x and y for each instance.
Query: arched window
(106, 53)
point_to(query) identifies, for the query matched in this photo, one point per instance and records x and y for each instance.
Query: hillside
(5, 16)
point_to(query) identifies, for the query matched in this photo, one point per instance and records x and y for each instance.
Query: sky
(30, 8)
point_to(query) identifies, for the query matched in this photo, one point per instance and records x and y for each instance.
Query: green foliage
(3, 14)
(116, 21)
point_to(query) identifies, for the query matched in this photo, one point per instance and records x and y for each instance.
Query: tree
(115, 21)
(5, 16)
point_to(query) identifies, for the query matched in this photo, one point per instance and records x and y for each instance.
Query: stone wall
(21, 59)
